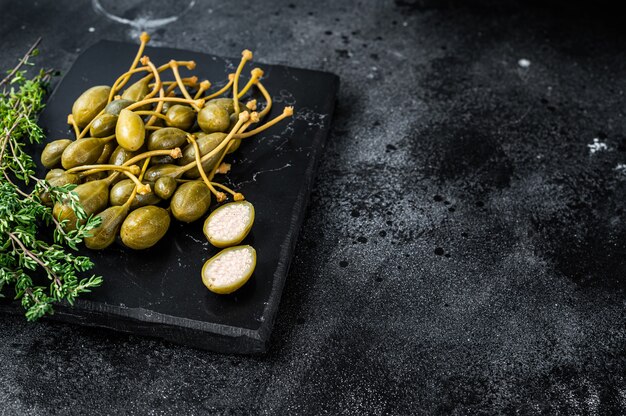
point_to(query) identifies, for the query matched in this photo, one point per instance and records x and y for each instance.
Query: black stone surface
(463, 252)
(159, 291)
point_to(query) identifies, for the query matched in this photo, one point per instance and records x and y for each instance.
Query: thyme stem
(24, 59)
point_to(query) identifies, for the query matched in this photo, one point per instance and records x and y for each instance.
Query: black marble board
(158, 292)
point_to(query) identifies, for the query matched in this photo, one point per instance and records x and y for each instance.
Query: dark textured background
(463, 252)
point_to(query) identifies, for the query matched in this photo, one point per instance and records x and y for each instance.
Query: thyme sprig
(41, 272)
